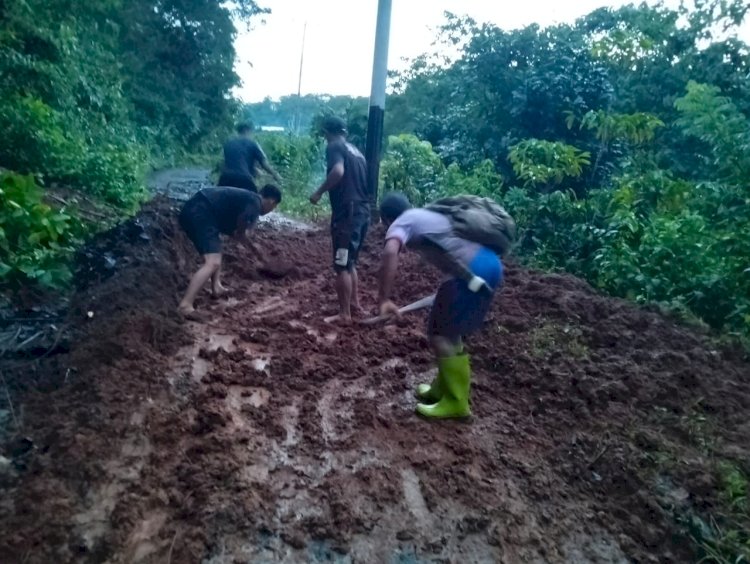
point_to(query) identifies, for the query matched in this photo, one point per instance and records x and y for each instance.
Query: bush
(646, 240)
(546, 163)
(36, 241)
(114, 172)
(482, 180)
(649, 236)
(44, 141)
(35, 139)
(412, 167)
(300, 161)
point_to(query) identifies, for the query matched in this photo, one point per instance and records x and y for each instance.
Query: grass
(721, 531)
(717, 527)
(552, 336)
(298, 206)
(724, 536)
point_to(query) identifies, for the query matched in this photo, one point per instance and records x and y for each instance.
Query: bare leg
(344, 292)
(356, 306)
(216, 288)
(210, 266)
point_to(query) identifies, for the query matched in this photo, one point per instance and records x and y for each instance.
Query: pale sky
(341, 34)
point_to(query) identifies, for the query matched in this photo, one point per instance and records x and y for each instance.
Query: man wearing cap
(242, 155)
(346, 184)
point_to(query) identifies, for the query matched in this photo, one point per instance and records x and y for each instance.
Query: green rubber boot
(431, 393)
(456, 381)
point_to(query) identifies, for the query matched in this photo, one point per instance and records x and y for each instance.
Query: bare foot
(339, 319)
(358, 311)
(219, 292)
(193, 315)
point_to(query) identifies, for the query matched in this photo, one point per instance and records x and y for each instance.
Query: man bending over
(214, 211)
(474, 273)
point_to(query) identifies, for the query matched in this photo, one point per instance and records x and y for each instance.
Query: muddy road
(267, 435)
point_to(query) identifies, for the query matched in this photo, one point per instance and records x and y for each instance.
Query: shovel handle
(419, 304)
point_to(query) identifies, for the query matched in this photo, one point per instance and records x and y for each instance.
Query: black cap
(334, 125)
(244, 127)
(393, 205)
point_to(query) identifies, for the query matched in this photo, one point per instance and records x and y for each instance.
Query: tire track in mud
(93, 524)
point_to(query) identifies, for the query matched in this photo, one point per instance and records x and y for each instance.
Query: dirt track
(268, 436)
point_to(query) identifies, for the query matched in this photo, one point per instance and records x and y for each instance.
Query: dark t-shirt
(352, 188)
(241, 155)
(234, 208)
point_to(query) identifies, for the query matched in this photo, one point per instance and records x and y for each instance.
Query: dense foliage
(622, 144)
(34, 238)
(91, 93)
(300, 160)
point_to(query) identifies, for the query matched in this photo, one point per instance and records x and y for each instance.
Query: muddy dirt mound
(267, 435)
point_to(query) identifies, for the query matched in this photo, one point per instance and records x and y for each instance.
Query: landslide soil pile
(267, 435)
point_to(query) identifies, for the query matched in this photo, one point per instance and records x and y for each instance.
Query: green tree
(92, 93)
(178, 65)
(412, 167)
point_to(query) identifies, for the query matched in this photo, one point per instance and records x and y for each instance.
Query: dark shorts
(237, 181)
(458, 311)
(198, 221)
(348, 232)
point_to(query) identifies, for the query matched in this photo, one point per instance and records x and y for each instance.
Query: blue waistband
(488, 266)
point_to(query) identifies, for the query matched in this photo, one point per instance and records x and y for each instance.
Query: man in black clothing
(215, 210)
(346, 185)
(241, 157)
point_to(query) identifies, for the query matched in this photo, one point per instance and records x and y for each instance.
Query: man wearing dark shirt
(346, 185)
(241, 157)
(231, 211)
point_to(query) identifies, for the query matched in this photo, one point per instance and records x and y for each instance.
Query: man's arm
(265, 165)
(333, 178)
(388, 268)
(240, 235)
(243, 236)
(246, 221)
(257, 157)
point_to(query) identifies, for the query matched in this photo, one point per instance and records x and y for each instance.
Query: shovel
(419, 304)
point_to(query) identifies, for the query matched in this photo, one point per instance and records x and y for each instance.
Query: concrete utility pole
(301, 60)
(297, 119)
(374, 145)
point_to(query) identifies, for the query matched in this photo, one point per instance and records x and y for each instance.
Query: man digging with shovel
(461, 302)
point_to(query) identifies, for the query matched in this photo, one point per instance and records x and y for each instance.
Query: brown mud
(267, 435)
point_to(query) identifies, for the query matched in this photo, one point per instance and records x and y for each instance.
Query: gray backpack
(480, 220)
